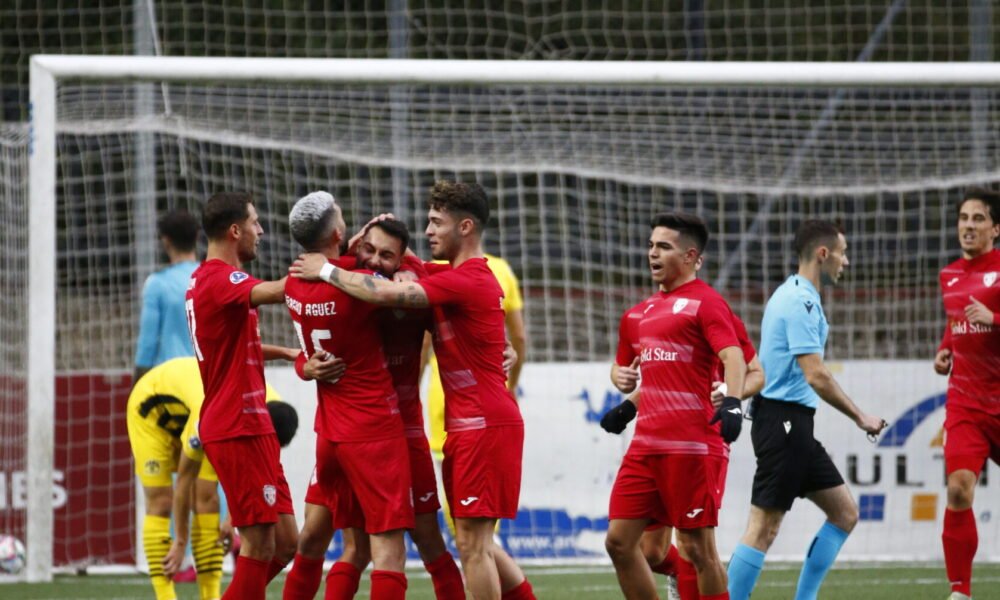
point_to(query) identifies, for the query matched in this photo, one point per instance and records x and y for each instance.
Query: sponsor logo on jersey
(951, 282)
(270, 495)
(989, 278)
(237, 277)
(809, 306)
(680, 304)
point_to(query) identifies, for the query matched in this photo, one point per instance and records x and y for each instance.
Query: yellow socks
(156, 542)
(207, 554)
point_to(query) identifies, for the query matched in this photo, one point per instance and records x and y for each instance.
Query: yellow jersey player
(162, 415)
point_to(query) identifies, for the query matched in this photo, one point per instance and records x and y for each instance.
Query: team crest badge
(237, 277)
(152, 467)
(270, 495)
(989, 278)
(195, 442)
(680, 304)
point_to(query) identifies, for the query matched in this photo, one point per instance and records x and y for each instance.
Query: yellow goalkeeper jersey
(435, 396)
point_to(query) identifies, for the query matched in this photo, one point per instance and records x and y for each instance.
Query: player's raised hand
(352, 244)
(323, 366)
(626, 378)
(942, 362)
(175, 556)
(307, 266)
(976, 312)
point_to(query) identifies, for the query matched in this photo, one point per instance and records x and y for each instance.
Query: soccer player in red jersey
(482, 464)
(361, 453)
(661, 555)
(381, 249)
(970, 352)
(235, 427)
(671, 472)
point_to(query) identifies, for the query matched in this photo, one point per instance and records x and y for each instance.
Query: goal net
(575, 159)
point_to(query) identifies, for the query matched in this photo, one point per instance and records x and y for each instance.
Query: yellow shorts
(157, 451)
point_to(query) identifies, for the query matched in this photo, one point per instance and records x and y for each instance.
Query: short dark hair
(180, 228)
(691, 227)
(991, 198)
(285, 419)
(396, 229)
(462, 200)
(814, 233)
(224, 209)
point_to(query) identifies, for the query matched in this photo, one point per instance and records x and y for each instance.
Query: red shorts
(675, 490)
(378, 475)
(250, 472)
(425, 490)
(341, 502)
(481, 471)
(970, 437)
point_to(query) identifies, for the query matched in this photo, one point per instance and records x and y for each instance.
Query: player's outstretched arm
(268, 292)
(279, 352)
(187, 473)
(820, 379)
(383, 292)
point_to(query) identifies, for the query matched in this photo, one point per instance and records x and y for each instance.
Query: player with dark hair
(790, 461)
(671, 471)
(162, 325)
(969, 353)
(235, 426)
(482, 464)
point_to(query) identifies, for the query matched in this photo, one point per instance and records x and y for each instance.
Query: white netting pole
(41, 322)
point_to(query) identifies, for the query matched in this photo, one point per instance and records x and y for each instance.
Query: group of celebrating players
(683, 355)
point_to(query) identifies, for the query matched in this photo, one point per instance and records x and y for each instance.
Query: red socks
(249, 581)
(669, 565)
(446, 577)
(960, 541)
(342, 581)
(303, 580)
(521, 592)
(388, 585)
(687, 580)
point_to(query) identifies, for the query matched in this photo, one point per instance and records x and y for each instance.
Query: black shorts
(790, 461)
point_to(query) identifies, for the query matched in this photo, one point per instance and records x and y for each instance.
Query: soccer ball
(11, 554)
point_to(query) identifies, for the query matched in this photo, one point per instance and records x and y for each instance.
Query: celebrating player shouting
(969, 351)
(235, 427)
(670, 474)
(482, 464)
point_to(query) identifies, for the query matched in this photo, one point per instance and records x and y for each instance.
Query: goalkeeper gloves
(730, 418)
(615, 420)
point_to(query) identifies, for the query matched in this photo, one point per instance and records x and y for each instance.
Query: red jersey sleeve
(433, 268)
(626, 347)
(749, 352)
(715, 318)
(237, 290)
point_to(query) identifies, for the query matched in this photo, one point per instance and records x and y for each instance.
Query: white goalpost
(577, 156)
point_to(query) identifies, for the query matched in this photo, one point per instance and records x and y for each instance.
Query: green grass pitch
(845, 582)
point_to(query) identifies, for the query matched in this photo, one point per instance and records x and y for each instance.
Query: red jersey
(226, 340)
(402, 341)
(469, 341)
(975, 374)
(677, 336)
(361, 406)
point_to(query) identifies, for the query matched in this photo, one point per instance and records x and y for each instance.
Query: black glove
(615, 420)
(731, 416)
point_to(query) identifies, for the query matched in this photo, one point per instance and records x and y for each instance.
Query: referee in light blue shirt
(163, 330)
(790, 461)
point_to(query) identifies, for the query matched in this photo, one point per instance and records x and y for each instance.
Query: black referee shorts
(790, 461)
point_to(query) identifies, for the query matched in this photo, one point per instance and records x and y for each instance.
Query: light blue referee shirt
(163, 330)
(794, 324)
